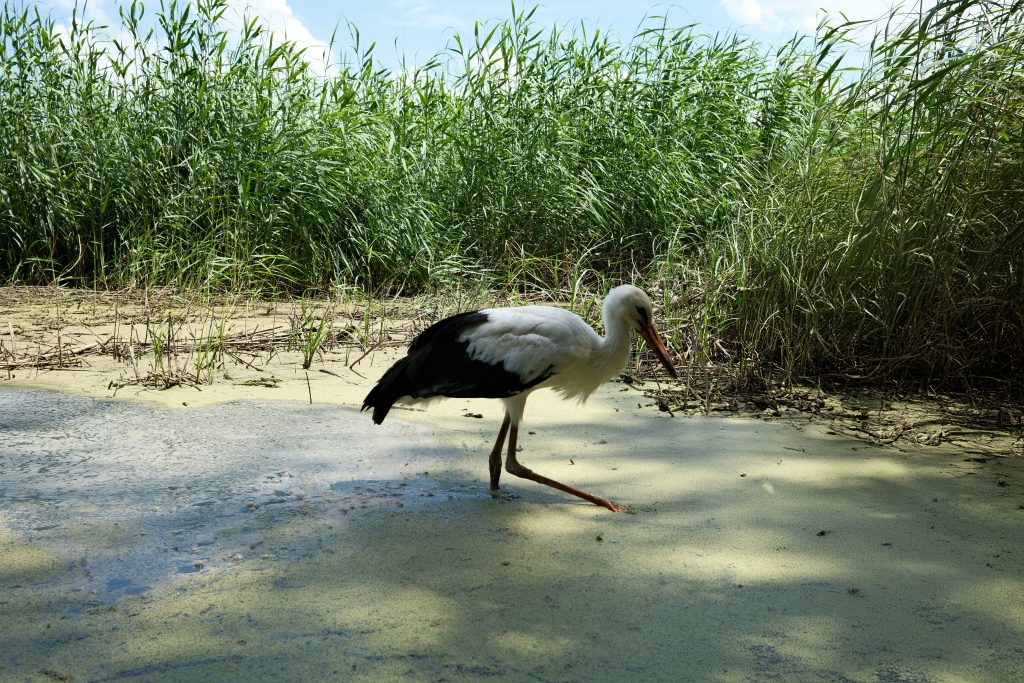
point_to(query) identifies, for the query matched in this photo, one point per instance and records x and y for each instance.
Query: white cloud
(96, 13)
(424, 14)
(803, 16)
(758, 13)
(279, 18)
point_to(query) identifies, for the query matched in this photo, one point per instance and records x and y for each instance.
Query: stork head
(631, 308)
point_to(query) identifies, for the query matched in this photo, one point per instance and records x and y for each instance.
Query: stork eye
(644, 317)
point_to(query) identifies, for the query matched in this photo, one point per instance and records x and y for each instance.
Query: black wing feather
(438, 364)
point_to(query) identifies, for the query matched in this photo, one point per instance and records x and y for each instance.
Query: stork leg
(496, 455)
(512, 466)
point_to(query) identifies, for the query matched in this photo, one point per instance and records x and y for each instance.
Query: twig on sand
(365, 354)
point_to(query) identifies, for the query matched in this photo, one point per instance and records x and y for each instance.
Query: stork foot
(498, 494)
(615, 507)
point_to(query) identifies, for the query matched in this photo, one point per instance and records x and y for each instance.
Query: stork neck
(615, 345)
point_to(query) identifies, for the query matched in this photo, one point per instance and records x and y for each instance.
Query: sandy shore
(239, 531)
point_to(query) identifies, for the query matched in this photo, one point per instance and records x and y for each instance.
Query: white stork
(508, 353)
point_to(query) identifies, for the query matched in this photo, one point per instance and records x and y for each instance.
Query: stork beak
(654, 340)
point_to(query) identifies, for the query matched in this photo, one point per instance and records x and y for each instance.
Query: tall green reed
(859, 220)
(886, 240)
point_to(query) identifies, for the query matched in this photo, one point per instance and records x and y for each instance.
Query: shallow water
(278, 540)
(127, 495)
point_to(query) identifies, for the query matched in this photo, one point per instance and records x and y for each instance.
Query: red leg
(512, 466)
(495, 461)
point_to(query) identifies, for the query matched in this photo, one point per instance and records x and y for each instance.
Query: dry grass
(162, 339)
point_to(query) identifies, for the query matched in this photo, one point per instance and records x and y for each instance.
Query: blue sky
(420, 28)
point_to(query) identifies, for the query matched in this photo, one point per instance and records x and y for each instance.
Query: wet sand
(262, 539)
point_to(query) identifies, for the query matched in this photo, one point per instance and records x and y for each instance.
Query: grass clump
(886, 242)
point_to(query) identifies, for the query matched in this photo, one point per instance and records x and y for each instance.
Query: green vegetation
(789, 210)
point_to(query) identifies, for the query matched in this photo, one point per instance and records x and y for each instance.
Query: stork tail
(393, 385)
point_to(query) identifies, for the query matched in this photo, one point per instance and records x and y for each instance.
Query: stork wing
(533, 342)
